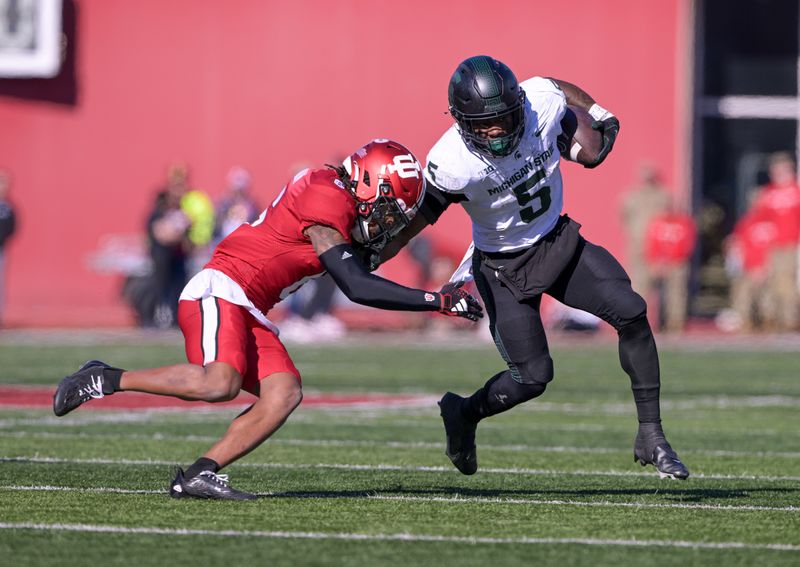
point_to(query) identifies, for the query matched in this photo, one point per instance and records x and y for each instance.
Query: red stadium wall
(270, 84)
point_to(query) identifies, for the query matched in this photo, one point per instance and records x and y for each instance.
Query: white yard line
(426, 403)
(405, 537)
(82, 489)
(601, 504)
(438, 499)
(385, 467)
(516, 448)
(361, 418)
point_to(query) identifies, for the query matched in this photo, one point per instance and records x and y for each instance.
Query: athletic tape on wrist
(573, 152)
(599, 113)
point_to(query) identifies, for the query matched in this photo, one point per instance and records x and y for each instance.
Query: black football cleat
(207, 485)
(460, 434)
(651, 448)
(78, 388)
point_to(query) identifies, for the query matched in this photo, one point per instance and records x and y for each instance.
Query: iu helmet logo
(404, 166)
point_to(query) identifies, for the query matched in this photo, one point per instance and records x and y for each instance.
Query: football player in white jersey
(500, 161)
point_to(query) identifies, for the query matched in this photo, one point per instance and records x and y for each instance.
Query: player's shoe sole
(460, 434)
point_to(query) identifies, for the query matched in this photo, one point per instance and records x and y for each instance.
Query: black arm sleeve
(436, 201)
(362, 287)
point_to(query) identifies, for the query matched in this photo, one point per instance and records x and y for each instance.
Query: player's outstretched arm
(603, 120)
(360, 286)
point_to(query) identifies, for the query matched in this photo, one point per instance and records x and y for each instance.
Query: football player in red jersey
(323, 220)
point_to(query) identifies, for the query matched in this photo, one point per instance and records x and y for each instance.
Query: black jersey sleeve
(436, 202)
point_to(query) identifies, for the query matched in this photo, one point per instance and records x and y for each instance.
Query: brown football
(590, 140)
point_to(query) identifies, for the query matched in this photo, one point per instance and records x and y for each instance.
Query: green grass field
(371, 486)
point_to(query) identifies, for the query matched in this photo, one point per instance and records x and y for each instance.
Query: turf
(368, 486)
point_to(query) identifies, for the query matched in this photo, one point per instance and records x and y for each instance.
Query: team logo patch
(429, 297)
(404, 166)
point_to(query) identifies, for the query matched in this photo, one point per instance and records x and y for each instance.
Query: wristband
(599, 113)
(573, 152)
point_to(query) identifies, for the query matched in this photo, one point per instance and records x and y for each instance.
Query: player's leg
(279, 393)
(595, 282)
(216, 382)
(207, 376)
(519, 335)
(215, 338)
(520, 338)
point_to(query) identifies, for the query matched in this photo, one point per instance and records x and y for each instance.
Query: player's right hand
(609, 128)
(455, 302)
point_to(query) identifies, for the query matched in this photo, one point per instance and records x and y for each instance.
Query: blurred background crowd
(135, 136)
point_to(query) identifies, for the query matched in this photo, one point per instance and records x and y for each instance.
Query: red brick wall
(270, 84)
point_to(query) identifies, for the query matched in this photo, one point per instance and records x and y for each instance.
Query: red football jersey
(782, 205)
(670, 239)
(755, 234)
(272, 257)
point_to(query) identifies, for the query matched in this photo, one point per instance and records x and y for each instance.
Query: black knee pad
(527, 392)
(630, 309)
(537, 371)
(638, 327)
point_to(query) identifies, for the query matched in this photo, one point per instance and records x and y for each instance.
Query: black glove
(455, 302)
(609, 128)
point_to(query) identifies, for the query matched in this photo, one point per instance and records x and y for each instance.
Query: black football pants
(594, 282)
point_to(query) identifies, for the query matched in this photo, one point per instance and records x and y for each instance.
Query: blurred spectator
(779, 202)
(669, 243)
(7, 227)
(236, 205)
(640, 204)
(197, 206)
(746, 262)
(168, 228)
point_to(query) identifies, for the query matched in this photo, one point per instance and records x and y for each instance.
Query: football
(578, 128)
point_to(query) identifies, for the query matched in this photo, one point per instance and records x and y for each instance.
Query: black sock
(639, 358)
(200, 465)
(111, 379)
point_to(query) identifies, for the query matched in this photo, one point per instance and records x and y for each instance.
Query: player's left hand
(458, 303)
(609, 128)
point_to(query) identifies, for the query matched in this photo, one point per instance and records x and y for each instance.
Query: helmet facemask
(514, 119)
(381, 219)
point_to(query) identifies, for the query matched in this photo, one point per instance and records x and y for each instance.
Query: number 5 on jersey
(521, 191)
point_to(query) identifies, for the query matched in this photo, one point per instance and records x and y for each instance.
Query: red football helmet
(386, 180)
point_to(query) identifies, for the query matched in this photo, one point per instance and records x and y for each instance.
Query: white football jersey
(514, 200)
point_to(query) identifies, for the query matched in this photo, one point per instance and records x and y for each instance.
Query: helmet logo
(404, 166)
